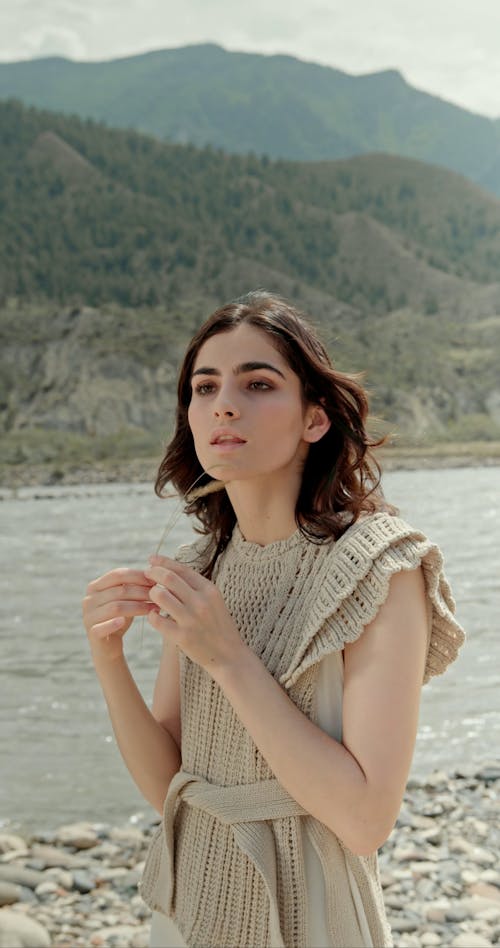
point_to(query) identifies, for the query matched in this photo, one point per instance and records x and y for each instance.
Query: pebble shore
(77, 886)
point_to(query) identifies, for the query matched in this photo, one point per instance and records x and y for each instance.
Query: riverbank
(142, 470)
(76, 887)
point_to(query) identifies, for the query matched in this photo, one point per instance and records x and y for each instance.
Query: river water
(58, 758)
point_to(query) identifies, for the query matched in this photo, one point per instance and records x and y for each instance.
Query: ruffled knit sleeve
(194, 554)
(353, 582)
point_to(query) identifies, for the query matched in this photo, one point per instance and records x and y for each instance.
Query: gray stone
(492, 876)
(11, 842)
(19, 931)
(485, 890)
(475, 905)
(437, 911)
(128, 835)
(63, 877)
(27, 895)
(423, 869)
(477, 854)
(457, 913)
(80, 835)
(51, 856)
(470, 940)
(9, 893)
(429, 939)
(21, 876)
(436, 780)
(83, 881)
(14, 854)
(129, 881)
(46, 889)
(489, 773)
(122, 936)
(404, 924)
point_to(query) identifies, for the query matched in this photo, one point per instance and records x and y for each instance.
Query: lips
(226, 437)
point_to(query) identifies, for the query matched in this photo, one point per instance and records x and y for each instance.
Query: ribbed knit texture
(227, 862)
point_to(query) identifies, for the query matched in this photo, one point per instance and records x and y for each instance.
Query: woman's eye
(204, 388)
(260, 386)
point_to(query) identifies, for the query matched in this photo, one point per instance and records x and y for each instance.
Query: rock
(121, 936)
(437, 911)
(83, 881)
(387, 878)
(429, 939)
(63, 878)
(27, 895)
(128, 835)
(19, 931)
(433, 808)
(457, 844)
(432, 835)
(111, 873)
(9, 893)
(14, 854)
(437, 779)
(48, 888)
(21, 876)
(489, 773)
(129, 881)
(470, 940)
(409, 854)
(403, 924)
(469, 876)
(79, 835)
(423, 869)
(51, 856)
(476, 905)
(485, 890)
(9, 842)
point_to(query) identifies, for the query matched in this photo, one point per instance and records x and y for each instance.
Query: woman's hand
(197, 618)
(109, 608)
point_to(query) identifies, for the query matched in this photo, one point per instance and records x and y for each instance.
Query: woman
(297, 633)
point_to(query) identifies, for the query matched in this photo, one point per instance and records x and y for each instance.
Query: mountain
(115, 246)
(274, 105)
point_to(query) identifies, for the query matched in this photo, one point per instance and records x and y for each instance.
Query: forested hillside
(114, 247)
(274, 105)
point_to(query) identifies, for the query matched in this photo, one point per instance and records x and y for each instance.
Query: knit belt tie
(245, 808)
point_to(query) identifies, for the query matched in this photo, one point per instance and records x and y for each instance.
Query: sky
(450, 48)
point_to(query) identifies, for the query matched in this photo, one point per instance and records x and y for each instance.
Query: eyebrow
(239, 369)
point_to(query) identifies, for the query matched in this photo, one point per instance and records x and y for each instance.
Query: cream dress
(164, 932)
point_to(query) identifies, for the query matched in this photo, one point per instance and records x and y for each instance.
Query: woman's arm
(147, 741)
(354, 787)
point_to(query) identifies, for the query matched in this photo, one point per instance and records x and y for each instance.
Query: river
(58, 758)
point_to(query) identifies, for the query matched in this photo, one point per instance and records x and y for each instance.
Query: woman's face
(247, 414)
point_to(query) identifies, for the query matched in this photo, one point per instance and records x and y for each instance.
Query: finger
(162, 623)
(123, 593)
(121, 609)
(170, 580)
(117, 577)
(166, 601)
(190, 576)
(102, 629)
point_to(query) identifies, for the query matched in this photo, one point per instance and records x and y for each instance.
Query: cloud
(54, 41)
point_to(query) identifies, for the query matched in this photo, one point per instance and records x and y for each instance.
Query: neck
(264, 512)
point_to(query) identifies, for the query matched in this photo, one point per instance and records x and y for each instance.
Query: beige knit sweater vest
(226, 862)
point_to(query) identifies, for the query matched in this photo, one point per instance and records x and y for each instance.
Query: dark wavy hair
(341, 477)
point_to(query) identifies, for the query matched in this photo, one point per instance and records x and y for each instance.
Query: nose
(225, 405)
(225, 412)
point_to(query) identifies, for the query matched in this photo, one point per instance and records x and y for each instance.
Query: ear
(317, 424)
